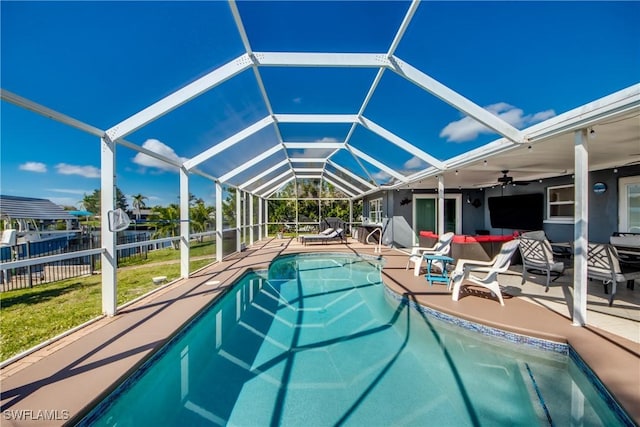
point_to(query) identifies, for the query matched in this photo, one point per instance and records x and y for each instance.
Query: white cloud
(160, 148)
(467, 129)
(413, 163)
(68, 191)
(381, 176)
(297, 100)
(327, 139)
(33, 167)
(319, 152)
(542, 115)
(85, 171)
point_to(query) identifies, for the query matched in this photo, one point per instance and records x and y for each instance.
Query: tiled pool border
(514, 338)
(510, 337)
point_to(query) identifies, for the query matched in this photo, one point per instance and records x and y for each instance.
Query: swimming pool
(316, 341)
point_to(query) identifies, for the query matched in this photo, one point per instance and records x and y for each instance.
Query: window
(560, 203)
(375, 211)
(629, 204)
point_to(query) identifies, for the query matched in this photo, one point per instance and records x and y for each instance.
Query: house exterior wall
(603, 208)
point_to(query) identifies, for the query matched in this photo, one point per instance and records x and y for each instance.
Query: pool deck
(58, 382)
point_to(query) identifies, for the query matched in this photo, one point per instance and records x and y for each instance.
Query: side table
(444, 275)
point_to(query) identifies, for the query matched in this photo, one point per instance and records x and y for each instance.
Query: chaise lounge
(337, 234)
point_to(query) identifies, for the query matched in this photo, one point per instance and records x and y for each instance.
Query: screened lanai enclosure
(276, 116)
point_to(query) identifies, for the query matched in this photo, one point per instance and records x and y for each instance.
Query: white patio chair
(441, 247)
(499, 264)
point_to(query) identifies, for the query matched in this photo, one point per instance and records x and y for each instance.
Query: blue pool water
(317, 341)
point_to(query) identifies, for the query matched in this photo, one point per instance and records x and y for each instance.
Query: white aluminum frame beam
(456, 100)
(49, 113)
(343, 181)
(309, 175)
(275, 188)
(308, 170)
(318, 145)
(399, 142)
(265, 154)
(251, 221)
(413, 7)
(580, 227)
(307, 160)
(180, 97)
(276, 179)
(229, 142)
(316, 118)
(239, 218)
(219, 223)
(263, 174)
(611, 106)
(441, 218)
(351, 174)
(108, 258)
(338, 186)
(307, 59)
(75, 123)
(184, 223)
(377, 164)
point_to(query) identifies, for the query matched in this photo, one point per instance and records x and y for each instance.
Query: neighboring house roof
(29, 207)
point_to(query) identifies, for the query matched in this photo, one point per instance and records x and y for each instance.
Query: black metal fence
(26, 277)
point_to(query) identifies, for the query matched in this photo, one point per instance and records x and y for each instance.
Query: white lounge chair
(337, 234)
(441, 247)
(499, 264)
(537, 255)
(324, 232)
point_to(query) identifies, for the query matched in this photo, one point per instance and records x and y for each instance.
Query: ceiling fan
(505, 179)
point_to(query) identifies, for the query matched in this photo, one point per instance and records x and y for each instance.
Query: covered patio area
(74, 373)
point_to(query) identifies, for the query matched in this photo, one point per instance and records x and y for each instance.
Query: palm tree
(167, 221)
(200, 217)
(138, 203)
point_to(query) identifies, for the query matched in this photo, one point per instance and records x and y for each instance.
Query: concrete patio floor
(70, 375)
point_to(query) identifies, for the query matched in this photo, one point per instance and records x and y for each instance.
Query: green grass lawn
(31, 316)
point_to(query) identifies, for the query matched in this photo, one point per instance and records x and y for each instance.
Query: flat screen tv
(519, 212)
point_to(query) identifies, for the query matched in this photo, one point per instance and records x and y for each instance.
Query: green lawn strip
(31, 316)
(196, 250)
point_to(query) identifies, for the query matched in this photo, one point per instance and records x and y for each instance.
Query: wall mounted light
(592, 134)
(476, 202)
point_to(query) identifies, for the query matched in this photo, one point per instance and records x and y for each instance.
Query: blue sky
(101, 62)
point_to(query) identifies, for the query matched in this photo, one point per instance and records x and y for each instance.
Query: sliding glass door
(425, 213)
